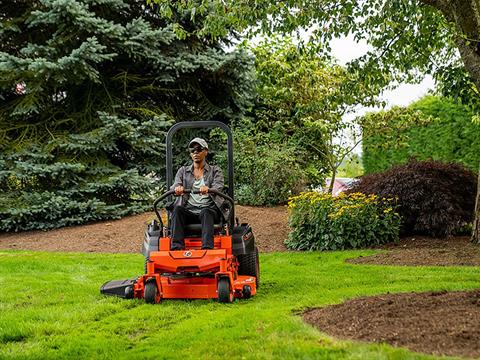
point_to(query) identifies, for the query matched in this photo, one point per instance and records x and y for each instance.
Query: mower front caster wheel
(223, 289)
(246, 292)
(151, 293)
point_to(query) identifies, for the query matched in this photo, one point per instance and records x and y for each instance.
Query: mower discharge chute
(230, 270)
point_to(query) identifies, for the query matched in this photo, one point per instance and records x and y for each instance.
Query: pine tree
(87, 90)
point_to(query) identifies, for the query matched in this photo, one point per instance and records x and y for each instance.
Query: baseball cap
(200, 142)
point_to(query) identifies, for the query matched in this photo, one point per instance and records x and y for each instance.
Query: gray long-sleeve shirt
(213, 178)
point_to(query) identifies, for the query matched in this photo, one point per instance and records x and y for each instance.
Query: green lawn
(50, 307)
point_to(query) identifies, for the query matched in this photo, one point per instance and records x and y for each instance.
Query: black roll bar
(198, 125)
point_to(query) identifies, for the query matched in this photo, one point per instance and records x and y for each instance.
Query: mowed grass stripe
(51, 308)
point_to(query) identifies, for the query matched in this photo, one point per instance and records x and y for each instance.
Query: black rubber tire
(249, 264)
(246, 292)
(151, 292)
(224, 293)
(129, 293)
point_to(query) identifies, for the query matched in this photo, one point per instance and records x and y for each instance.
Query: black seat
(198, 227)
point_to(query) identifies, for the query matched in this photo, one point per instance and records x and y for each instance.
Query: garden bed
(126, 235)
(439, 323)
(424, 251)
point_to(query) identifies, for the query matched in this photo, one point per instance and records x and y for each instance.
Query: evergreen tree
(87, 90)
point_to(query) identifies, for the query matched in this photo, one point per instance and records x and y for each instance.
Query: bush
(434, 198)
(267, 175)
(323, 222)
(268, 168)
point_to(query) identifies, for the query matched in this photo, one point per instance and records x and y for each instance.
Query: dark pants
(182, 216)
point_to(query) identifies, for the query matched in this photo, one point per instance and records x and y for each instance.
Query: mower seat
(197, 228)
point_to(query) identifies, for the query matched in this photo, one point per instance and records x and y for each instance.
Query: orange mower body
(194, 273)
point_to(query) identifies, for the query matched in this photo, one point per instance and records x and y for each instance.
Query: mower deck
(186, 274)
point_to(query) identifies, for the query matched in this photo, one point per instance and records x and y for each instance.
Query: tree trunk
(476, 222)
(332, 181)
(465, 14)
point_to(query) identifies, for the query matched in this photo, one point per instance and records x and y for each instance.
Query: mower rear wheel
(249, 264)
(224, 293)
(151, 293)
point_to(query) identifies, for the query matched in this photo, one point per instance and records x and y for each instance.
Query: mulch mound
(439, 323)
(269, 224)
(425, 251)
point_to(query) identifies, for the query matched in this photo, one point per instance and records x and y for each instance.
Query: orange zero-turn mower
(230, 270)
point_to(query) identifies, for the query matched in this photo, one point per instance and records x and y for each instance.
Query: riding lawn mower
(228, 271)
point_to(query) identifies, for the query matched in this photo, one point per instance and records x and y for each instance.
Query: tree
(87, 90)
(304, 96)
(408, 37)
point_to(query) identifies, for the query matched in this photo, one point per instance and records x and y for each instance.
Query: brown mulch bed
(419, 250)
(126, 235)
(442, 323)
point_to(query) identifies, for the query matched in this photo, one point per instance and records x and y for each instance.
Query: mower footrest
(198, 288)
(120, 288)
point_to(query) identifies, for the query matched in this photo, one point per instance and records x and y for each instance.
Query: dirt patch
(126, 235)
(418, 251)
(269, 224)
(442, 323)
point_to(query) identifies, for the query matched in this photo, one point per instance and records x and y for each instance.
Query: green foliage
(351, 167)
(301, 97)
(432, 128)
(295, 84)
(52, 309)
(323, 222)
(454, 82)
(267, 168)
(266, 174)
(87, 90)
(81, 177)
(407, 38)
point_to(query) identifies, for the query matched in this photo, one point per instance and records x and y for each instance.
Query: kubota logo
(187, 253)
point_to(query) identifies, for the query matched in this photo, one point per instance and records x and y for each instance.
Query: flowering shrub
(323, 222)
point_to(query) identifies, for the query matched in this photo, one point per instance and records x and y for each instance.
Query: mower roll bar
(187, 191)
(201, 125)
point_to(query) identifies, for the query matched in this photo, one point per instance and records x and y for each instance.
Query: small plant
(434, 198)
(324, 222)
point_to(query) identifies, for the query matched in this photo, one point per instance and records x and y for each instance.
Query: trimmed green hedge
(450, 137)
